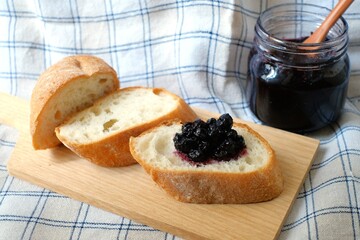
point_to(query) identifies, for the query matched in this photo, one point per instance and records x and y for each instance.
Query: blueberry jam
(292, 85)
(210, 141)
(295, 93)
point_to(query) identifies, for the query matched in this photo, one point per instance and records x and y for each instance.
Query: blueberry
(184, 144)
(187, 129)
(201, 133)
(232, 134)
(240, 141)
(225, 122)
(211, 122)
(199, 123)
(224, 150)
(204, 146)
(196, 156)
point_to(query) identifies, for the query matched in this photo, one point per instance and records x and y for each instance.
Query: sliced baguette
(253, 177)
(101, 133)
(70, 85)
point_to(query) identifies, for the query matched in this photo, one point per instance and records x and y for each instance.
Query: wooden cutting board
(131, 193)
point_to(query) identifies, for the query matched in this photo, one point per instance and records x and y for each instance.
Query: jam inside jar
(294, 86)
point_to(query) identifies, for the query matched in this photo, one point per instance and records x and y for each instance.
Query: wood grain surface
(131, 193)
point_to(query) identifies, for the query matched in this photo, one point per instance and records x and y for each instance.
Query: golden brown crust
(48, 86)
(113, 151)
(219, 187)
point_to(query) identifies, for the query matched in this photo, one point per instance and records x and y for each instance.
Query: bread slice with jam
(253, 175)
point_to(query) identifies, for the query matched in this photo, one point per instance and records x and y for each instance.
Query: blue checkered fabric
(196, 49)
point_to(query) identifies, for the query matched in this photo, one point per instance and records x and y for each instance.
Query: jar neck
(277, 29)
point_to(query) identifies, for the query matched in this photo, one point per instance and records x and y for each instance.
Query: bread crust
(114, 151)
(208, 187)
(48, 87)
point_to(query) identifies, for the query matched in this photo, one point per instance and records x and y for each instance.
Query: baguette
(70, 85)
(253, 177)
(101, 133)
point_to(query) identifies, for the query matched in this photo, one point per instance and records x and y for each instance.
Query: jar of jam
(291, 85)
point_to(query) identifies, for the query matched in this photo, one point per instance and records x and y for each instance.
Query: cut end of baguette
(68, 86)
(101, 132)
(253, 177)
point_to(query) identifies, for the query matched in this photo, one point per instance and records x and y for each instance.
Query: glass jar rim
(304, 46)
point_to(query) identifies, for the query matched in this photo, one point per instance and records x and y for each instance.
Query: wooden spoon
(320, 34)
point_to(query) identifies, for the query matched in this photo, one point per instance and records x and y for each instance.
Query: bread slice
(101, 133)
(254, 176)
(70, 85)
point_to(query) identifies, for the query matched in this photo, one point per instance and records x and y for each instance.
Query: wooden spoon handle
(320, 34)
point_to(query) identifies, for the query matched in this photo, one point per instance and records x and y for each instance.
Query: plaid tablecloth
(196, 49)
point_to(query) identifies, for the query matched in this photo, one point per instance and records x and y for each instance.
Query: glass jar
(291, 85)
